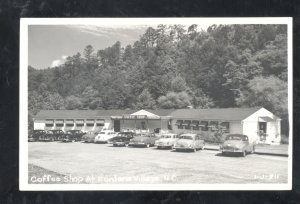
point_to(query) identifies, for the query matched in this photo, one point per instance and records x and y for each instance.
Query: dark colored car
(237, 143)
(144, 139)
(89, 136)
(52, 135)
(36, 135)
(73, 136)
(122, 139)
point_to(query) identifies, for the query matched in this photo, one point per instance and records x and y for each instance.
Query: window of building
(90, 122)
(195, 125)
(79, 123)
(187, 124)
(179, 124)
(70, 123)
(49, 123)
(100, 122)
(225, 127)
(213, 125)
(203, 125)
(59, 123)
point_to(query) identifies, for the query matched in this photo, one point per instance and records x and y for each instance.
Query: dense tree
(174, 100)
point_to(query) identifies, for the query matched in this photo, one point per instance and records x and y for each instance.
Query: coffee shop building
(258, 123)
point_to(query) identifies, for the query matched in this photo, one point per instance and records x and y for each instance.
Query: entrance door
(262, 127)
(262, 131)
(117, 125)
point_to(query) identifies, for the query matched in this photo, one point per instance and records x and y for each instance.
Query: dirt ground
(102, 163)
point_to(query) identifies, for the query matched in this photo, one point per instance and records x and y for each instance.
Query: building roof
(79, 114)
(229, 114)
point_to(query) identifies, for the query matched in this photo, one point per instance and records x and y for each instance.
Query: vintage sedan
(144, 140)
(89, 136)
(104, 136)
(52, 135)
(166, 141)
(237, 143)
(73, 136)
(36, 135)
(189, 141)
(122, 139)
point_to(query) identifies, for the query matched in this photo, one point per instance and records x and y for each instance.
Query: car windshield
(234, 137)
(185, 137)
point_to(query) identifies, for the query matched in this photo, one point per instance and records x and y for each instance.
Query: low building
(258, 123)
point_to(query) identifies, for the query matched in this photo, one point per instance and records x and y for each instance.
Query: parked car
(36, 135)
(104, 136)
(189, 141)
(122, 139)
(145, 139)
(72, 136)
(51, 135)
(89, 136)
(237, 143)
(166, 140)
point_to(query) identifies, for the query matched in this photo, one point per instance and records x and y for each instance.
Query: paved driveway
(102, 163)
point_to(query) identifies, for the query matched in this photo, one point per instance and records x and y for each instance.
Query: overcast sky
(49, 45)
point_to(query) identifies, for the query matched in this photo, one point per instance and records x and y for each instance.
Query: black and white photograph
(156, 104)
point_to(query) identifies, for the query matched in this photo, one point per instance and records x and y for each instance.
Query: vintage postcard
(156, 104)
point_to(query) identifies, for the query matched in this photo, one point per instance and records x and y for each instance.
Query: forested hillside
(172, 67)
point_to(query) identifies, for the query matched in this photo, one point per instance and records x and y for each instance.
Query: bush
(284, 139)
(213, 137)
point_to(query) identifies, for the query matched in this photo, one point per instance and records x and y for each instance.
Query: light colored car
(104, 136)
(237, 143)
(166, 140)
(189, 141)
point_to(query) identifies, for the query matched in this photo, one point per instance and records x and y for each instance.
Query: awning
(267, 119)
(178, 122)
(79, 122)
(203, 124)
(70, 122)
(186, 123)
(213, 124)
(90, 121)
(59, 121)
(195, 123)
(49, 122)
(100, 122)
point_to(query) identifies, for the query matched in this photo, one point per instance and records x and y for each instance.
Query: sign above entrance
(135, 117)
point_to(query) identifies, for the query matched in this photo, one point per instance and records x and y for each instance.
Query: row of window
(202, 125)
(71, 123)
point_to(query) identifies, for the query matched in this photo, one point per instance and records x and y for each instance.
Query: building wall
(39, 125)
(250, 129)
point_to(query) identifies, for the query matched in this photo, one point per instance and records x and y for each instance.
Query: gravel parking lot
(102, 163)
